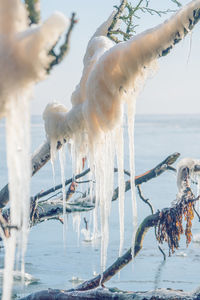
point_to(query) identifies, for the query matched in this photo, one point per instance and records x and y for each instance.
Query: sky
(172, 90)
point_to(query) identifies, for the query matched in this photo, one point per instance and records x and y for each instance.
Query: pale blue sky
(173, 89)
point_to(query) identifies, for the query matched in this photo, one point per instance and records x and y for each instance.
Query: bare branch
(58, 58)
(33, 8)
(152, 212)
(116, 18)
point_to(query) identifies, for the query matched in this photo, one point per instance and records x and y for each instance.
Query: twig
(125, 171)
(116, 17)
(86, 223)
(177, 3)
(33, 8)
(144, 200)
(132, 13)
(57, 58)
(59, 186)
(152, 212)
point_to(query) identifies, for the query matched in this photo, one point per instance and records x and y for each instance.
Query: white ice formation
(193, 167)
(23, 62)
(112, 77)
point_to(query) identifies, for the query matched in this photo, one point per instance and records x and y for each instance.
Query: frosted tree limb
(33, 8)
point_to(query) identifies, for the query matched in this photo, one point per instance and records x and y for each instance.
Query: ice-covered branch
(163, 38)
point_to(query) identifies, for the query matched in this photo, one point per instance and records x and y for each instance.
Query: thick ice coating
(112, 76)
(23, 61)
(193, 167)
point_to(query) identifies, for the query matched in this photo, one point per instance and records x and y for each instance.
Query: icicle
(53, 153)
(121, 182)
(131, 124)
(76, 225)
(18, 160)
(62, 168)
(104, 175)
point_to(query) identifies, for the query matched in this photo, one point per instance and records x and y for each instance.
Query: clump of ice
(193, 167)
(23, 61)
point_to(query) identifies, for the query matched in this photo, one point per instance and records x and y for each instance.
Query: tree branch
(58, 58)
(33, 8)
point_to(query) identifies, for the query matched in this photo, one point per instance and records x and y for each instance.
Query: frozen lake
(53, 265)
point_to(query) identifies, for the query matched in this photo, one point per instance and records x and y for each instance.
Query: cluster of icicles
(111, 79)
(94, 129)
(23, 61)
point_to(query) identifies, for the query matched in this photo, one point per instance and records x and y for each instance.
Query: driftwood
(105, 293)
